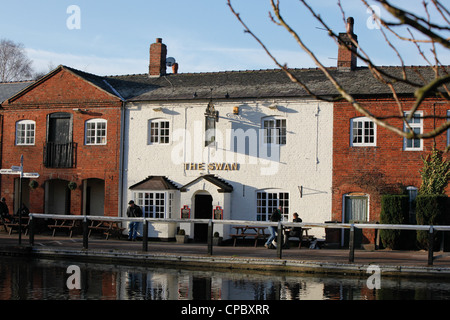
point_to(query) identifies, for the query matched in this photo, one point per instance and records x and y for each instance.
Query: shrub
(394, 210)
(431, 210)
(435, 173)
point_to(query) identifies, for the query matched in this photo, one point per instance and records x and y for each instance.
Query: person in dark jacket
(275, 217)
(293, 232)
(133, 211)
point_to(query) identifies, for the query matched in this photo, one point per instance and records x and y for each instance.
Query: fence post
(279, 240)
(210, 237)
(31, 230)
(430, 246)
(85, 233)
(145, 235)
(351, 244)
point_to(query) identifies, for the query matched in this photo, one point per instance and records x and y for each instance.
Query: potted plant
(33, 184)
(217, 240)
(72, 185)
(181, 236)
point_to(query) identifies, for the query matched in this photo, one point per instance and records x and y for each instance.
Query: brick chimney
(347, 58)
(158, 53)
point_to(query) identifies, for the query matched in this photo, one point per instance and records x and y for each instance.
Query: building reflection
(46, 280)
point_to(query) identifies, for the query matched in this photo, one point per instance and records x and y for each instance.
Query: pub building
(223, 145)
(231, 145)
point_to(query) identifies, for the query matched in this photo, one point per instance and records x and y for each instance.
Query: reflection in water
(46, 280)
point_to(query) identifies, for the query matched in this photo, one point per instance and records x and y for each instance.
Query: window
(155, 204)
(274, 131)
(416, 125)
(25, 132)
(356, 208)
(363, 132)
(412, 194)
(267, 202)
(96, 132)
(159, 131)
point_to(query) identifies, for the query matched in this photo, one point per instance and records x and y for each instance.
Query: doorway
(94, 197)
(57, 197)
(203, 210)
(59, 147)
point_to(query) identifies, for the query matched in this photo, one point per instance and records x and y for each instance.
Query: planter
(182, 238)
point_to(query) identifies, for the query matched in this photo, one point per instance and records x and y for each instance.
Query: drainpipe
(122, 157)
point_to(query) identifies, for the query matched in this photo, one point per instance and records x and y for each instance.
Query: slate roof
(8, 89)
(259, 84)
(224, 187)
(155, 183)
(272, 83)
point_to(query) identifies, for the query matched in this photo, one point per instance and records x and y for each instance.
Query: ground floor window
(356, 207)
(155, 204)
(268, 201)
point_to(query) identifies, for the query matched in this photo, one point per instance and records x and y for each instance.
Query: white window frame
(269, 200)
(158, 134)
(155, 204)
(28, 128)
(275, 130)
(355, 196)
(416, 123)
(95, 133)
(365, 136)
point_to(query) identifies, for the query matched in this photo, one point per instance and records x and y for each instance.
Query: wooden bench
(14, 225)
(68, 224)
(108, 228)
(303, 237)
(255, 233)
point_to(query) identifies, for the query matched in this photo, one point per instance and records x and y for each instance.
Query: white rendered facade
(168, 139)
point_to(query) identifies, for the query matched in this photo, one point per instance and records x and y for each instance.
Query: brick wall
(64, 92)
(385, 168)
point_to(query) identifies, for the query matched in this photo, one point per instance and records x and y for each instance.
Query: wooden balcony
(60, 155)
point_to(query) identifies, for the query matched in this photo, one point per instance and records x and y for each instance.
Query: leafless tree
(406, 26)
(14, 63)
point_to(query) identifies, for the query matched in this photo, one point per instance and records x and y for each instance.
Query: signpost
(19, 170)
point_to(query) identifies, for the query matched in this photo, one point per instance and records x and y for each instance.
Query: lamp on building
(159, 109)
(211, 112)
(236, 110)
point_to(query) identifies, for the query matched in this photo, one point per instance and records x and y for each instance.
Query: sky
(113, 37)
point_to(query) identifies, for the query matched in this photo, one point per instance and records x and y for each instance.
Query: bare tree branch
(424, 90)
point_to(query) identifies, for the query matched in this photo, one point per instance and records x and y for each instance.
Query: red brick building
(369, 160)
(67, 126)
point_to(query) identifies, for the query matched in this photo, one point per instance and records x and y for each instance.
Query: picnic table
(70, 224)
(304, 236)
(14, 224)
(107, 227)
(248, 232)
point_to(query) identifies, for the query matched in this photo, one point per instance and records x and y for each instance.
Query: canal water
(22, 279)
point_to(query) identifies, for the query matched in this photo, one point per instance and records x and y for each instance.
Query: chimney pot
(175, 68)
(347, 57)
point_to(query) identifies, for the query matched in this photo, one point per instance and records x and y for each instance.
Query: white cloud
(42, 60)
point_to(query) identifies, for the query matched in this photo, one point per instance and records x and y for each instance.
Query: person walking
(275, 217)
(133, 211)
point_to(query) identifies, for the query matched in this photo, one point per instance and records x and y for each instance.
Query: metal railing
(210, 222)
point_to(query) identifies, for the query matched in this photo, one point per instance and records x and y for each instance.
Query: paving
(243, 256)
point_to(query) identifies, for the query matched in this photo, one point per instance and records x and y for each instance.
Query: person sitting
(293, 232)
